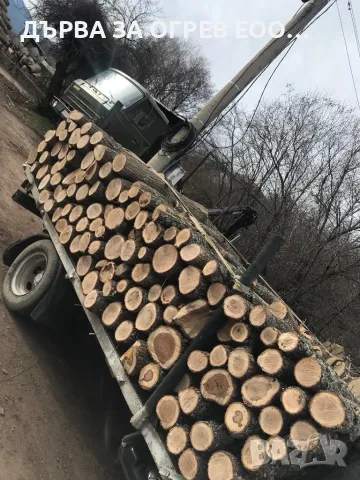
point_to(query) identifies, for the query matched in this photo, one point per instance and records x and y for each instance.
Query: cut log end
(113, 315)
(165, 345)
(219, 356)
(218, 386)
(150, 376)
(304, 436)
(155, 293)
(125, 332)
(276, 448)
(198, 361)
(269, 336)
(271, 361)
(216, 294)
(260, 390)
(271, 420)
(177, 440)
(202, 436)
(294, 400)
(235, 307)
(328, 410)
(193, 317)
(192, 283)
(253, 453)
(135, 299)
(168, 411)
(169, 314)
(258, 316)
(240, 333)
(237, 418)
(190, 465)
(223, 466)
(148, 318)
(241, 363)
(308, 372)
(166, 260)
(288, 342)
(95, 302)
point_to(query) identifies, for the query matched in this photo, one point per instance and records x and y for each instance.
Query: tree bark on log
(95, 302)
(132, 169)
(193, 317)
(135, 358)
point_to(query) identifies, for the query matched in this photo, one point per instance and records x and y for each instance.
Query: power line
(352, 14)
(206, 133)
(348, 54)
(291, 45)
(261, 97)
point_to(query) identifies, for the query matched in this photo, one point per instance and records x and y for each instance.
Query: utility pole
(241, 81)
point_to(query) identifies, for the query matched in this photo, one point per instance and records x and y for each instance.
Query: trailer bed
(156, 447)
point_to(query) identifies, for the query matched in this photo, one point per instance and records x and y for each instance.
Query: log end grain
(260, 390)
(168, 411)
(218, 386)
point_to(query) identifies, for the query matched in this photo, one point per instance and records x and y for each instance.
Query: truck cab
(122, 108)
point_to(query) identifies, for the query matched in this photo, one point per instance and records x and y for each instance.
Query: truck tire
(30, 276)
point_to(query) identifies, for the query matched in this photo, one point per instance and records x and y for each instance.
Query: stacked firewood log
(153, 269)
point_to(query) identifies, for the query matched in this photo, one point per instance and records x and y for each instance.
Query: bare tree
(298, 164)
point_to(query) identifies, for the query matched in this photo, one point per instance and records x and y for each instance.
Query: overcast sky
(317, 62)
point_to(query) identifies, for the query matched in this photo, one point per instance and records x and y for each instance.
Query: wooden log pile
(154, 281)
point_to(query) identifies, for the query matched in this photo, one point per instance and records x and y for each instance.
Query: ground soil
(51, 412)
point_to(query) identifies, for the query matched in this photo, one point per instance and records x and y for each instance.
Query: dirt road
(51, 419)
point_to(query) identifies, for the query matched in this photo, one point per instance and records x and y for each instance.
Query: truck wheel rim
(29, 274)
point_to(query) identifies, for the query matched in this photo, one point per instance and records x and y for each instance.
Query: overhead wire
(353, 19)
(206, 133)
(348, 54)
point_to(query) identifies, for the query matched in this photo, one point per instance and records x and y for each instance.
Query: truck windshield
(116, 87)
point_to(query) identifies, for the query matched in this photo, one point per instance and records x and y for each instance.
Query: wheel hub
(29, 274)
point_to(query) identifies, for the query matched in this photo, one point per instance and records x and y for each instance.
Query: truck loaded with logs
(214, 366)
(222, 379)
